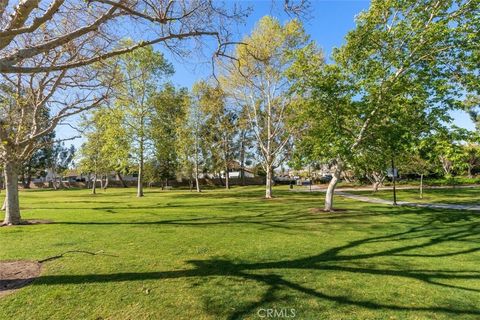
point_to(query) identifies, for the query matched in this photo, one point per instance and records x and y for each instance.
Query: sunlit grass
(228, 254)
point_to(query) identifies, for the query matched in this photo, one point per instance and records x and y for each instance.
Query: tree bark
(227, 178)
(140, 173)
(268, 182)
(4, 206)
(242, 160)
(421, 186)
(12, 212)
(94, 184)
(105, 186)
(197, 184)
(331, 186)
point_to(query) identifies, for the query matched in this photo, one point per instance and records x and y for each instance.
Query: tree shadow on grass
(430, 238)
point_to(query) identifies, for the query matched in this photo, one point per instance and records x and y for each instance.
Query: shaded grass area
(227, 254)
(458, 195)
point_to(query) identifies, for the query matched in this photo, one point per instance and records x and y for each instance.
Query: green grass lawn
(467, 196)
(227, 255)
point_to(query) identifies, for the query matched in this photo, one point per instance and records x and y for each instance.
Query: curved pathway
(401, 203)
(410, 204)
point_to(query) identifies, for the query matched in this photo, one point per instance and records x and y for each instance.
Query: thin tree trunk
(268, 182)
(12, 212)
(4, 206)
(227, 178)
(331, 186)
(421, 186)
(197, 184)
(105, 186)
(94, 183)
(242, 160)
(140, 173)
(470, 175)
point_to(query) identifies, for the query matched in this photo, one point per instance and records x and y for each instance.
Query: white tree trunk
(140, 173)
(105, 185)
(4, 206)
(331, 186)
(268, 183)
(12, 212)
(94, 184)
(227, 178)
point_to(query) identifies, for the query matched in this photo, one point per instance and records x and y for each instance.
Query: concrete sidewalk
(410, 204)
(341, 192)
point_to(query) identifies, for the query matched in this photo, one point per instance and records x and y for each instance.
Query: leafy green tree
(221, 122)
(170, 113)
(139, 77)
(397, 61)
(257, 80)
(107, 145)
(191, 143)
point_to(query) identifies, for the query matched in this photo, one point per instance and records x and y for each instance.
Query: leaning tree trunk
(268, 182)
(12, 210)
(121, 180)
(332, 185)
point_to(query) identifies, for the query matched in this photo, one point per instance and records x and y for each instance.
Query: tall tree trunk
(227, 178)
(119, 176)
(94, 183)
(242, 160)
(54, 181)
(105, 186)
(421, 186)
(140, 173)
(12, 212)
(331, 186)
(268, 182)
(197, 184)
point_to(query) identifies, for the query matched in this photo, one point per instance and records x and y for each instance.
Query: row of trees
(160, 132)
(403, 67)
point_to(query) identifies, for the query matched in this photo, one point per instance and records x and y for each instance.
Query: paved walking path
(432, 205)
(410, 204)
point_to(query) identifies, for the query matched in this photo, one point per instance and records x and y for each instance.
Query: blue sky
(329, 22)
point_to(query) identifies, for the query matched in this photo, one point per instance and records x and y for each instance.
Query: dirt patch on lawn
(17, 274)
